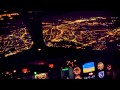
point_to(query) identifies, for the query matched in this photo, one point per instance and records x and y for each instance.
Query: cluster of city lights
(16, 40)
(10, 16)
(94, 32)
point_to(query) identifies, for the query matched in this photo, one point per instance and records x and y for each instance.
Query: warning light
(51, 65)
(24, 70)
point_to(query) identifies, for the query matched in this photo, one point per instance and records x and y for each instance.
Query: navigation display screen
(88, 67)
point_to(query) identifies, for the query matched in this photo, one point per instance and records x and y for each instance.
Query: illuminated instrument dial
(100, 66)
(76, 70)
(41, 76)
(101, 74)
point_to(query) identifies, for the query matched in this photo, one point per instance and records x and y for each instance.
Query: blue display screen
(88, 65)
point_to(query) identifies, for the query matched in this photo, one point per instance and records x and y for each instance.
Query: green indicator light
(65, 69)
(35, 72)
